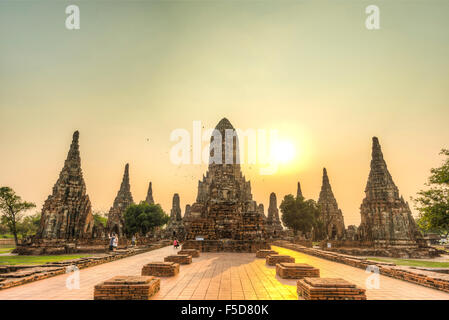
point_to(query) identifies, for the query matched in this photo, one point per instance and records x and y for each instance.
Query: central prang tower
(224, 211)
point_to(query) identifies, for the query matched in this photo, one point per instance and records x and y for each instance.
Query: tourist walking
(176, 244)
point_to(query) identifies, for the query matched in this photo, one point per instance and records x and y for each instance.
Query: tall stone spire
(274, 226)
(298, 191)
(384, 214)
(122, 201)
(175, 212)
(380, 184)
(330, 214)
(67, 213)
(175, 227)
(149, 198)
(187, 211)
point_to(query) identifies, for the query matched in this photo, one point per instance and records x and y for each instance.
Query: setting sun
(283, 152)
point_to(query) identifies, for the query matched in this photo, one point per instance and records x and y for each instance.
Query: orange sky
(136, 71)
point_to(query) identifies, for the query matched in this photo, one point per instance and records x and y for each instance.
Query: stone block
(273, 259)
(127, 288)
(264, 253)
(328, 289)
(180, 258)
(191, 252)
(287, 270)
(160, 269)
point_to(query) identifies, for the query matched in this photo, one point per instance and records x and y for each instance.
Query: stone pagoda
(224, 216)
(385, 216)
(122, 201)
(67, 212)
(330, 214)
(273, 223)
(149, 199)
(175, 226)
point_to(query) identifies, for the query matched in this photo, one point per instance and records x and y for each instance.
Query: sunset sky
(137, 70)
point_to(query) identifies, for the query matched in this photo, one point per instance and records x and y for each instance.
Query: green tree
(3, 228)
(12, 208)
(100, 219)
(29, 225)
(143, 218)
(433, 203)
(299, 214)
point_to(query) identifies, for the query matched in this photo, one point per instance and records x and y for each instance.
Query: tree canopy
(143, 218)
(433, 203)
(99, 219)
(12, 208)
(299, 214)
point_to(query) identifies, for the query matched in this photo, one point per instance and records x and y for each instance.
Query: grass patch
(414, 263)
(16, 260)
(9, 236)
(6, 250)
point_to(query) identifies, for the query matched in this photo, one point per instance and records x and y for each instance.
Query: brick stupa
(225, 215)
(122, 201)
(67, 212)
(330, 214)
(384, 213)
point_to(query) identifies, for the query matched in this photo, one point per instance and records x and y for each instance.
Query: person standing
(133, 240)
(115, 243)
(111, 241)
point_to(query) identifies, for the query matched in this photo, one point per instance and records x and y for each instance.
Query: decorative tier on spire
(67, 213)
(330, 214)
(149, 199)
(122, 201)
(384, 214)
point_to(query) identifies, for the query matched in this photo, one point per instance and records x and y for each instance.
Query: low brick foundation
(127, 288)
(160, 269)
(180, 258)
(434, 280)
(264, 253)
(191, 252)
(287, 270)
(328, 289)
(273, 259)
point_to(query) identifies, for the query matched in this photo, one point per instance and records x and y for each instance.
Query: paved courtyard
(217, 276)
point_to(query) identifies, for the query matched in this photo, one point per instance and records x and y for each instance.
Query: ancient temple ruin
(385, 215)
(123, 200)
(273, 223)
(224, 210)
(175, 226)
(67, 213)
(330, 215)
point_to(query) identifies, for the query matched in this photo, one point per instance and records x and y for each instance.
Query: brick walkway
(218, 276)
